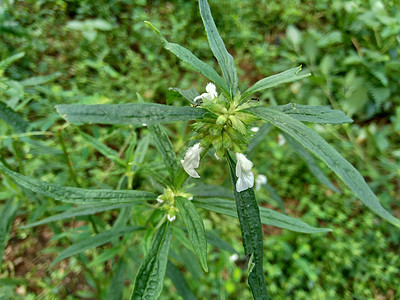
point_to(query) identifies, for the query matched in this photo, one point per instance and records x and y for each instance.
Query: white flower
(211, 92)
(260, 180)
(281, 140)
(216, 156)
(234, 257)
(190, 198)
(159, 200)
(144, 124)
(192, 160)
(171, 218)
(255, 129)
(243, 173)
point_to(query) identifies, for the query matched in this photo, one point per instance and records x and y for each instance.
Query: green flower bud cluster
(225, 126)
(167, 202)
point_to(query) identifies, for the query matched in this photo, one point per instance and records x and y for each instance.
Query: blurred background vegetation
(102, 52)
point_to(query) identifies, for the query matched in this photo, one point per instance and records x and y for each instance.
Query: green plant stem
(72, 172)
(17, 156)
(67, 158)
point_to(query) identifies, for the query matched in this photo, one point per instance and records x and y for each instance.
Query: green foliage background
(352, 49)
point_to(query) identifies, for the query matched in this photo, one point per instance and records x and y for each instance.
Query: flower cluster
(167, 202)
(224, 128)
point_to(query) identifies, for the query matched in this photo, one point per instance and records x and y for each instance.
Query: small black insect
(198, 103)
(255, 99)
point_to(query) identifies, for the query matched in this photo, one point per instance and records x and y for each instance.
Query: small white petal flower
(255, 129)
(159, 200)
(281, 140)
(144, 124)
(260, 180)
(192, 160)
(211, 92)
(171, 218)
(190, 198)
(216, 156)
(234, 257)
(243, 172)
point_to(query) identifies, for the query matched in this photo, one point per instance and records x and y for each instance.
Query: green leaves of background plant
(7, 215)
(195, 228)
(78, 195)
(95, 241)
(188, 57)
(150, 277)
(225, 60)
(314, 114)
(250, 225)
(265, 83)
(132, 114)
(268, 216)
(310, 140)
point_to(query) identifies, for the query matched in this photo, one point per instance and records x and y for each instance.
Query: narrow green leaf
(153, 174)
(78, 195)
(9, 60)
(250, 225)
(268, 82)
(310, 140)
(268, 216)
(13, 119)
(83, 210)
(216, 241)
(116, 289)
(274, 195)
(258, 138)
(150, 277)
(210, 190)
(140, 153)
(195, 227)
(188, 57)
(311, 163)
(95, 241)
(179, 282)
(103, 149)
(37, 80)
(189, 94)
(314, 114)
(217, 46)
(165, 148)
(128, 114)
(7, 216)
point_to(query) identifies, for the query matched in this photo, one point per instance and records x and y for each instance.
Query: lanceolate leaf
(217, 46)
(103, 149)
(250, 225)
(150, 277)
(165, 147)
(179, 281)
(192, 60)
(78, 195)
(314, 114)
(268, 82)
(7, 215)
(310, 140)
(311, 163)
(258, 138)
(116, 289)
(132, 113)
(189, 94)
(195, 227)
(40, 79)
(268, 216)
(83, 210)
(13, 118)
(95, 241)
